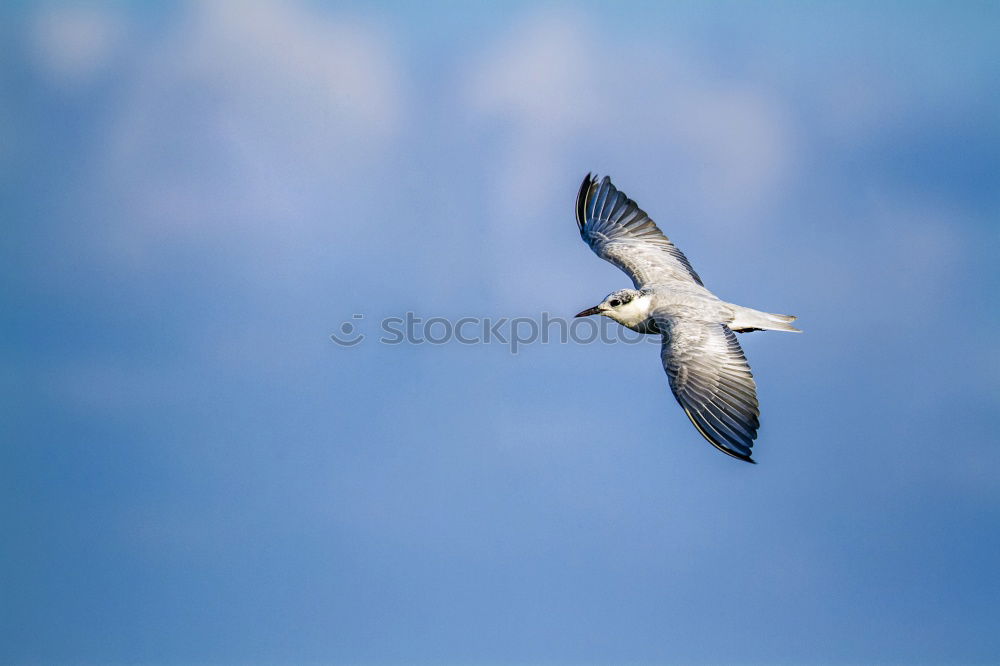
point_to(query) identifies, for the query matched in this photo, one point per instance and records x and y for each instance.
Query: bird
(705, 365)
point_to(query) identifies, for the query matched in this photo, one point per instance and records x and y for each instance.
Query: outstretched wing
(618, 231)
(712, 382)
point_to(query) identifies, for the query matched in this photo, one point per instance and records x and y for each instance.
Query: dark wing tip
(581, 200)
(720, 442)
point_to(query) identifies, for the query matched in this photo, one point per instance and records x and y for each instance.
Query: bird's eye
(614, 302)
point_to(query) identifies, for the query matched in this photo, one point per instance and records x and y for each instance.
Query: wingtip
(581, 200)
(745, 457)
(738, 456)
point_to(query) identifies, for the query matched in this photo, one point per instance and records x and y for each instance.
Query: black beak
(589, 311)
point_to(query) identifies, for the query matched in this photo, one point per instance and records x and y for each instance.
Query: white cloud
(540, 75)
(538, 80)
(729, 140)
(72, 44)
(741, 136)
(264, 51)
(249, 118)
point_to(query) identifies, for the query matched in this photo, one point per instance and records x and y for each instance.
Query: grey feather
(711, 380)
(618, 231)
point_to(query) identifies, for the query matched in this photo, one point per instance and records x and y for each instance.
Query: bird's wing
(712, 382)
(618, 231)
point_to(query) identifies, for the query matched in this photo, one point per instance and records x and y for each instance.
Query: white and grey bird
(708, 372)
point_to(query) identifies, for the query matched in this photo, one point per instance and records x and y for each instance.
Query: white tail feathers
(748, 319)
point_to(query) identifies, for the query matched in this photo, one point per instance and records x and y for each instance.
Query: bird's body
(706, 367)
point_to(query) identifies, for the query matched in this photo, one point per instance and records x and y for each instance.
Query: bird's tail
(748, 319)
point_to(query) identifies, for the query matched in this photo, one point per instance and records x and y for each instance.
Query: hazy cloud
(247, 118)
(555, 90)
(74, 43)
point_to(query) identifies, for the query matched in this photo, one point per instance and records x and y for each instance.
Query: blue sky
(195, 196)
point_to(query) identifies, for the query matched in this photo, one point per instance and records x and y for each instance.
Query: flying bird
(708, 372)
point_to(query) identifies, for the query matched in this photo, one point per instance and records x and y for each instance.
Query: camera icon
(349, 335)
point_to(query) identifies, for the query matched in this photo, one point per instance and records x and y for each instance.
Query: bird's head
(628, 307)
